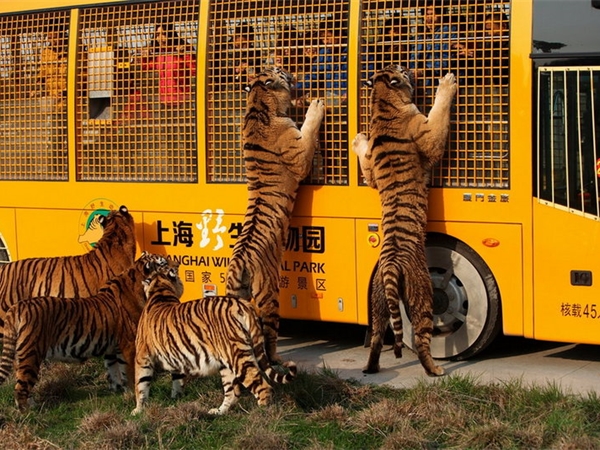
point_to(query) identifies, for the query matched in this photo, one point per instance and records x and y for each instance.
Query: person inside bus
(173, 60)
(51, 80)
(431, 51)
(485, 58)
(242, 58)
(50, 85)
(392, 47)
(328, 73)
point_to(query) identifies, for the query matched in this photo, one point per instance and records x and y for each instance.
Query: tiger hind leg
(116, 371)
(419, 297)
(250, 376)
(379, 321)
(27, 377)
(231, 390)
(177, 382)
(143, 375)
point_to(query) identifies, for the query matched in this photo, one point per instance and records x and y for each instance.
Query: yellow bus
(104, 103)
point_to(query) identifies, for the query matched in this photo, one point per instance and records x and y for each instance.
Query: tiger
(71, 276)
(75, 329)
(278, 156)
(396, 159)
(200, 338)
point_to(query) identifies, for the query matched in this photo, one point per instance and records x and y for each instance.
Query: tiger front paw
(316, 110)
(447, 86)
(360, 144)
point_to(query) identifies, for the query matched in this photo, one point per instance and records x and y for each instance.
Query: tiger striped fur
(396, 160)
(202, 337)
(278, 156)
(75, 329)
(71, 276)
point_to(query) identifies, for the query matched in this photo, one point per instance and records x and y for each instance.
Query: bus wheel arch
(467, 308)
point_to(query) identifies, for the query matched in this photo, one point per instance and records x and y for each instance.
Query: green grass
(319, 410)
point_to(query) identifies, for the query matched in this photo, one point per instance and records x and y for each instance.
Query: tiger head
(164, 282)
(393, 78)
(152, 262)
(119, 233)
(273, 83)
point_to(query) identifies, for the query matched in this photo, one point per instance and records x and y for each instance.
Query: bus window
(136, 93)
(33, 96)
(471, 41)
(569, 111)
(308, 41)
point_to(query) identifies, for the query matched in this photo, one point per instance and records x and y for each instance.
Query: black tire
(467, 313)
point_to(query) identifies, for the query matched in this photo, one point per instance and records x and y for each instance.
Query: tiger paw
(316, 110)
(360, 144)
(447, 86)
(436, 371)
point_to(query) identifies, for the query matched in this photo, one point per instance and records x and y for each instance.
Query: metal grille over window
(310, 42)
(568, 145)
(136, 92)
(33, 100)
(471, 40)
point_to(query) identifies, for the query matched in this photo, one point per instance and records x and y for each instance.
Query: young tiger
(71, 276)
(202, 337)
(278, 156)
(396, 160)
(75, 329)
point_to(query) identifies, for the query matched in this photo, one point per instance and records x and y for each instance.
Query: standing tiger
(71, 276)
(396, 160)
(75, 329)
(278, 156)
(202, 337)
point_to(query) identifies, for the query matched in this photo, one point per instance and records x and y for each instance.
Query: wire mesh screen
(307, 40)
(136, 87)
(33, 95)
(470, 39)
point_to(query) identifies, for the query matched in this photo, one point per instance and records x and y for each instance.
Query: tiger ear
(247, 88)
(172, 274)
(368, 83)
(102, 220)
(123, 209)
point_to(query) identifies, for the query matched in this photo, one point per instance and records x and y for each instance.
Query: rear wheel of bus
(466, 301)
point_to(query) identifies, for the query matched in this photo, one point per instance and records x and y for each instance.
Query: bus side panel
(57, 232)
(202, 244)
(566, 276)
(8, 234)
(504, 261)
(318, 273)
(369, 238)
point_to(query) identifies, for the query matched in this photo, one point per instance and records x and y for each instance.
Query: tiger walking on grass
(75, 329)
(71, 276)
(202, 337)
(278, 156)
(396, 160)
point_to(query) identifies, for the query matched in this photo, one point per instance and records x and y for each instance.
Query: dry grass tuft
(98, 422)
(19, 436)
(330, 413)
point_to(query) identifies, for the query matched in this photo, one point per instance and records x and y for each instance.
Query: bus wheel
(466, 302)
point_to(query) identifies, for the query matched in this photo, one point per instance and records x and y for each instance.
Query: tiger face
(394, 78)
(273, 79)
(165, 278)
(271, 86)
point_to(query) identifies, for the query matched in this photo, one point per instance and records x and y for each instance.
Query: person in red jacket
(173, 60)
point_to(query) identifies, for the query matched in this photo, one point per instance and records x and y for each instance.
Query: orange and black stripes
(77, 329)
(278, 156)
(71, 276)
(396, 160)
(202, 337)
